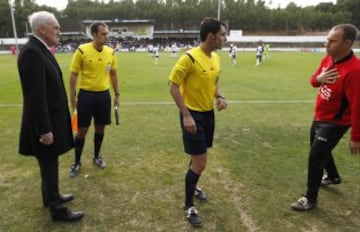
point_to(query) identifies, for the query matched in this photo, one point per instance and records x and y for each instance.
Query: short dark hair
(209, 25)
(94, 28)
(350, 31)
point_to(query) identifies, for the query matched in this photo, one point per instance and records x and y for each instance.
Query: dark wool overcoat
(45, 105)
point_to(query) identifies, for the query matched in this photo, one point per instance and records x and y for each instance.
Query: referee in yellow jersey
(194, 86)
(96, 64)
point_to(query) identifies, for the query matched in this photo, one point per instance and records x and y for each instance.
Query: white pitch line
(271, 101)
(170, 103)
(230, 102)
(10, 105)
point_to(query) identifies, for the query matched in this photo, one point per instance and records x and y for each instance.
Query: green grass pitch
(256, 168)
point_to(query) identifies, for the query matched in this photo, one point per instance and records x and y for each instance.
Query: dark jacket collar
(348, 56)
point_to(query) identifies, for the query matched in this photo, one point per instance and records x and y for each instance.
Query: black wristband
(117, 94)
(219, 96)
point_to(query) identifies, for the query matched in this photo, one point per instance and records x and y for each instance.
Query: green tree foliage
(251, 16)
(22, 11)
(352, 6)
(5, 19)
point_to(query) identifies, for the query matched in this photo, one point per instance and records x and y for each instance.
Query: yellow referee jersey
(93, 66)
(197, 79)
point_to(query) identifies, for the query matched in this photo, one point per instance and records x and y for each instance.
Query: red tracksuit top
(339, 103)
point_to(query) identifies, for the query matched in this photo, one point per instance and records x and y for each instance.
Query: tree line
(251, 16)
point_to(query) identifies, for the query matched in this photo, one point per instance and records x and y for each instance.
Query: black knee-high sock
(98, 138)
(191, 179)
(190, 162)
(79, 145)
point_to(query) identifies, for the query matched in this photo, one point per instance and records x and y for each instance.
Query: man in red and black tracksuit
(337, 108)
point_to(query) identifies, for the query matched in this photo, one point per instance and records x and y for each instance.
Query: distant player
(231, 46)
(156, 54)
(13, 50)
(233, 55)
(259, 54)
(266, 51)
(173, 50)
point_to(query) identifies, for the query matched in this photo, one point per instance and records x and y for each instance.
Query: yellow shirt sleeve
(181, 69)
(114, 61)
(75, 65)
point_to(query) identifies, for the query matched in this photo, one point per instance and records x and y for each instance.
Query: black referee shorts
(197, 144)
(94, 104)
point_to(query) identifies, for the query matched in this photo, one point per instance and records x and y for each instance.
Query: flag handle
(117, 121)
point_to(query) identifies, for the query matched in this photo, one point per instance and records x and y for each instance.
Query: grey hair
(40, 18)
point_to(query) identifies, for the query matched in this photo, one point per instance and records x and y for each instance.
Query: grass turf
(256, 168)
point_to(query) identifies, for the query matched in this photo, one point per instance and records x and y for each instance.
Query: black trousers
(49, 171)
(324, 136)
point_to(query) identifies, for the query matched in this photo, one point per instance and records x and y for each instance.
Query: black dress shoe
(62, 198)
(62, 213)
(66, 198)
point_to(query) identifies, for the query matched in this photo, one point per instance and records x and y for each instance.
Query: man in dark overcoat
(46, 125)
